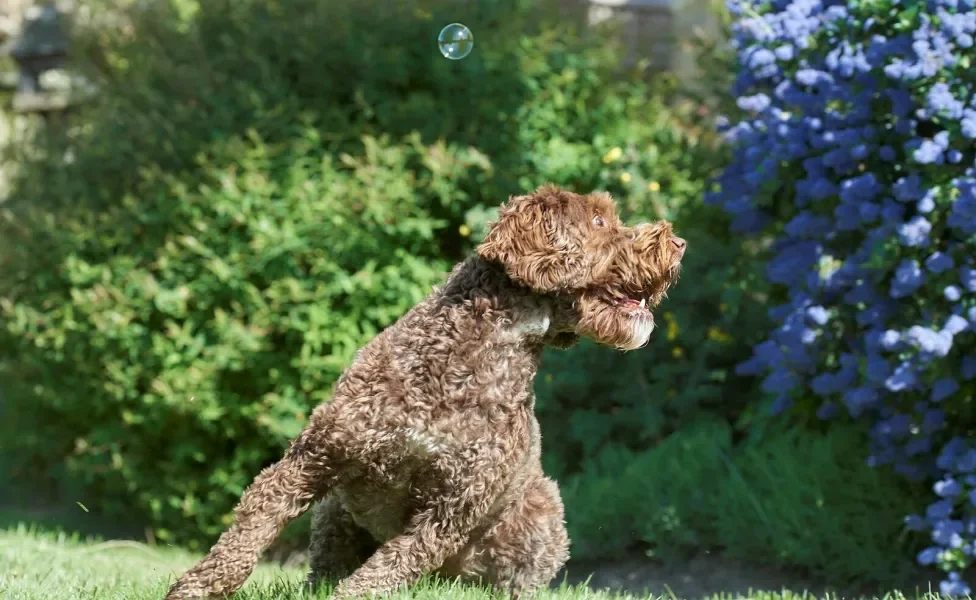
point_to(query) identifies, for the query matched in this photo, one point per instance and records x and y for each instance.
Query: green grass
(45, 566)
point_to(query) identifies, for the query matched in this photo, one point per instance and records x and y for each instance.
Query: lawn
(45, 566)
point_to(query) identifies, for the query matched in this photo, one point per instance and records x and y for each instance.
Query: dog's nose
(679, 243)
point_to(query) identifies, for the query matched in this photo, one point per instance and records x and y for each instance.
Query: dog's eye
(598, 221)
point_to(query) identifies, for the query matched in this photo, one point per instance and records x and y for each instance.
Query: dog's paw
(191, 590)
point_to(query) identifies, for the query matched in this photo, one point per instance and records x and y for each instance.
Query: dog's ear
(538, 239)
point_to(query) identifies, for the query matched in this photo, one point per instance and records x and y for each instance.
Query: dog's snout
(679, 243)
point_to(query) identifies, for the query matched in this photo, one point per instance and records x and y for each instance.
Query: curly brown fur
(427, 460)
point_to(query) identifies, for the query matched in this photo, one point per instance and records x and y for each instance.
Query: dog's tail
(280, 493)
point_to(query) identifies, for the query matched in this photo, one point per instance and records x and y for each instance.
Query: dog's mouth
(636, 309)
(631, 303)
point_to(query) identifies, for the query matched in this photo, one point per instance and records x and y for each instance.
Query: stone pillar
(693, 19)
(657, 30)
(11, 13)
(645, 25)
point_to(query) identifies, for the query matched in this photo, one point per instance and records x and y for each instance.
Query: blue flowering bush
(856, 139)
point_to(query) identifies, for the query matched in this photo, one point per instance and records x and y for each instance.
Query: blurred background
(207, 207)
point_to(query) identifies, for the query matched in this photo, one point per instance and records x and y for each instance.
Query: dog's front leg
(403, 560)
(452, 512)
(278, 494)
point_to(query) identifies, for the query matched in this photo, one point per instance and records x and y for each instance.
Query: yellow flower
(625, 177)
(654, 186)
(614, 154)
(673, 328)
(677, 352)
(464, 230)
(716, 334)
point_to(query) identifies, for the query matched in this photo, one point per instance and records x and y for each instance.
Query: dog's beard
(641, 329)
(623, 325)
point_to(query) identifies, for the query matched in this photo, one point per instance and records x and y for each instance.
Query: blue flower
(946, 534)
(916, 446)
(949, 458)
(941, 100)
(941, 509)
(939, 262)
(845, 99)
(860, 189)
(892, 212)
(784, 52)
(954, 586)
(779, 382)
(908, 278)
(901, 102)
(908, 189)
(793, 261)
(902, 379)
(756, 103)
(813, 77)
(923, 337)
(932, 421)
(915, 232)
(808, 225)
(967, 276)
(915, 523)
(929, 556)
(955, 325)
(963, 213)
(890, 339)
(968, 368)
(827, 410)
(947, 488)
(930, 152)
(762, 57)
(781, 404)
(968, 123)
(877, 369)
(966, 463)
(818, 315)
(859, 399)
(927, 203)
(897, 426)
(943, 388)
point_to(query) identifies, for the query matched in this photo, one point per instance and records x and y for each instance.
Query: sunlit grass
(44, 566)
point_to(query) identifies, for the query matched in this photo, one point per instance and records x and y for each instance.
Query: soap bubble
(455, 41)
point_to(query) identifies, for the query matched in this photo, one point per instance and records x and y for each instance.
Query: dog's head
(569, 245)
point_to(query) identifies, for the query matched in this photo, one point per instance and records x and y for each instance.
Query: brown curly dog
(427, 458)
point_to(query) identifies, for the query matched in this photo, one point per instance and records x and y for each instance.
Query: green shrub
(807, 500)
(177, 340)
(657, 499)
(251, 200)
(794, 499)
